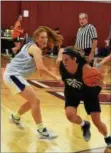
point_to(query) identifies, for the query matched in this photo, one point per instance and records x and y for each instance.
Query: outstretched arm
(59, 58)
(37, 54)
(105, 60)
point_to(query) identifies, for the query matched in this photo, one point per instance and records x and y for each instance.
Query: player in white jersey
(26, 62)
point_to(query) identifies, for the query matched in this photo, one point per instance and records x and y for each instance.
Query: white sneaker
(45, 134)
(16, 122)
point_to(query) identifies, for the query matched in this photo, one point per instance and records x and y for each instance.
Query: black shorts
(88, 95)
(16, 39)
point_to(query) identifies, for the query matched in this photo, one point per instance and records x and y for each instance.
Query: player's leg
(92, 107)
(101, 127)
(71, 103)
(19, 85)
(29, 94)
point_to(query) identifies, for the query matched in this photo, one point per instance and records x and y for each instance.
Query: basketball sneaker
(16, 122)
(86, 131)
(45, 134)
(108, 141)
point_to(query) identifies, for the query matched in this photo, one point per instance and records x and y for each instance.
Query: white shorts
(15, 83)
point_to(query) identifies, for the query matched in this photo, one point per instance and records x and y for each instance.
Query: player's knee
(96, 122)
(35, 102)
(71, 116)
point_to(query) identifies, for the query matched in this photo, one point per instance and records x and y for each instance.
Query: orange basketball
(92, 77)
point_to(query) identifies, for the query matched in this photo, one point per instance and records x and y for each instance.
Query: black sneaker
(45, 134)
(86, 131)
(108, 141)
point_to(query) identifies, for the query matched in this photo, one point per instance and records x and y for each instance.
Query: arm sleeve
(93, 32)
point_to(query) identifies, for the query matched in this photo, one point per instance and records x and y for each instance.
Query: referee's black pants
(87, 52)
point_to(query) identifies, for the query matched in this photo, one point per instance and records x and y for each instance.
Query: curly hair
(52, 36)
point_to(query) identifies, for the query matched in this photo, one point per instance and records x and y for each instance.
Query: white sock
(106, 136)
(82, 123)
(16, 115)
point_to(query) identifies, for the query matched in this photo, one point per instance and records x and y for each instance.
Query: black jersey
(72, 81)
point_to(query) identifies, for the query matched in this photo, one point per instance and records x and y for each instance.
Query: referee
(86, 39)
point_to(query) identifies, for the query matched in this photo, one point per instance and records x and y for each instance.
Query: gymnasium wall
(58, 14)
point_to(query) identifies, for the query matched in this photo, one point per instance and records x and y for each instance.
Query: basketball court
(52, 105)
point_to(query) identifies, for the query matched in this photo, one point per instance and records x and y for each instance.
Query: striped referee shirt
(85, 35)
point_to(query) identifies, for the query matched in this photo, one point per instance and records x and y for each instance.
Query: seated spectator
(105, 51)
(11, 29)
(2, 32)
(27, 38)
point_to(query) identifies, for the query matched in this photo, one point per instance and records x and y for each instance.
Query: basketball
(92, 77)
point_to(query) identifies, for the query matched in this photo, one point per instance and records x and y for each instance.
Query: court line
(57, 149)
(41, 84)
(57, 94)
(9, 110)
(48, 141)
(95, 150)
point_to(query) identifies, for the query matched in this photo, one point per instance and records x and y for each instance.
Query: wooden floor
(52, 104)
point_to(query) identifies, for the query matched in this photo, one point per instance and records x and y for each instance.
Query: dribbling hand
(59, 80)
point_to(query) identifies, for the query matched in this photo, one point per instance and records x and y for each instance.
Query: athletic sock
(82, 123)
(40, 127)
(106, 136)
(16, 115)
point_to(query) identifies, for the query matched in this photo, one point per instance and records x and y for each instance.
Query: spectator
(17, 32)
(11, 29)
(27, 38)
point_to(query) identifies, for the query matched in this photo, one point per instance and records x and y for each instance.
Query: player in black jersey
(71, 65)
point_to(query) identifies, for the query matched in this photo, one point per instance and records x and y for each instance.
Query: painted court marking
(105, 97)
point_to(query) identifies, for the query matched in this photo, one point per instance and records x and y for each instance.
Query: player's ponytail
(73, 53)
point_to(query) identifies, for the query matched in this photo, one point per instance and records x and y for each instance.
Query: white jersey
(22, 64)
